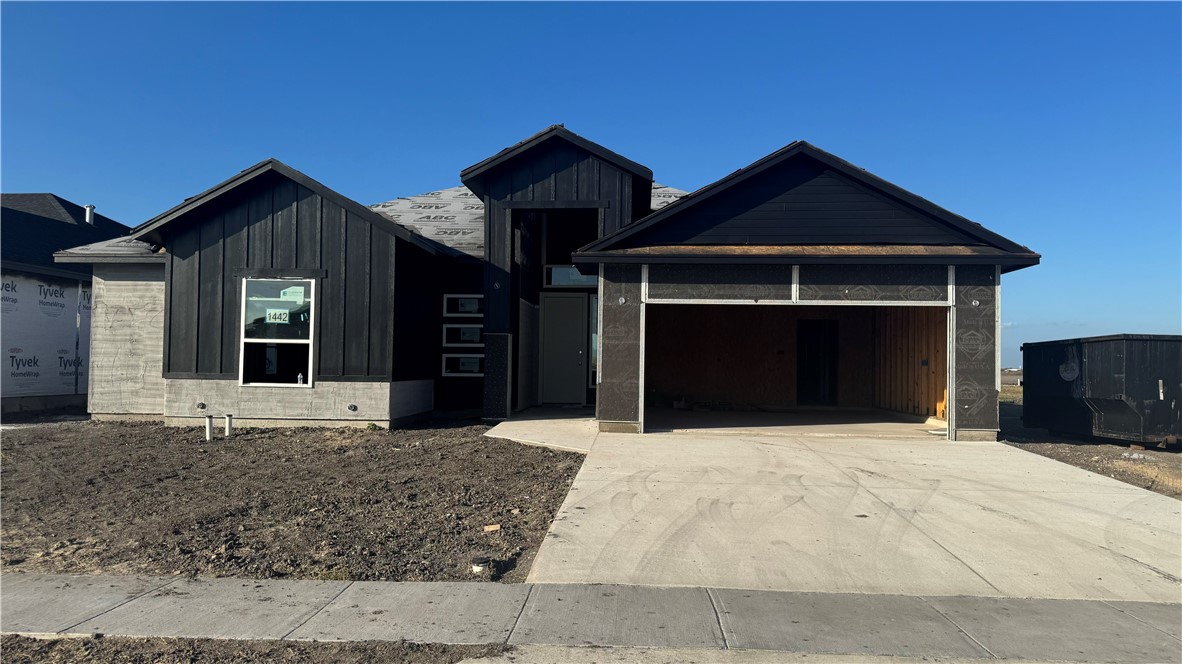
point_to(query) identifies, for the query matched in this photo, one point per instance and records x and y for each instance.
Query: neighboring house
(45, 308)
(561, 274)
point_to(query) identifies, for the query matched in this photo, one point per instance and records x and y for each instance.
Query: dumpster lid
(1108, 337)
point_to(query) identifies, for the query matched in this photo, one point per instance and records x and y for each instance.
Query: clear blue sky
(1056, 125)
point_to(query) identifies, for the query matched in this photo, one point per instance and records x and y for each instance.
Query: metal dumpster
(1124, 386)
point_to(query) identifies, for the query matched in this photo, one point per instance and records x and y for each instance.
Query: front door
(564, 348)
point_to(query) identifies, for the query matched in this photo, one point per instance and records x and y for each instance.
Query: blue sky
(1056, 125)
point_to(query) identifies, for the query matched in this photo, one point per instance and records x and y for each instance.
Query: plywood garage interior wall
(911, 360)
(744, 357)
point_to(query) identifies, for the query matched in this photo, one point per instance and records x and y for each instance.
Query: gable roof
(34, 226)
(454, 217)
(550, 133)
(616, 242)
(150, 230)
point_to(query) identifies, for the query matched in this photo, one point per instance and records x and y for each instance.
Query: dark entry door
(564, 348)
(816, 363)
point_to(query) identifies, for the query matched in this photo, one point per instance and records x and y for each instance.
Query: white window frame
(445, 372)
(457, 296)
(446, 344)
(242, 340)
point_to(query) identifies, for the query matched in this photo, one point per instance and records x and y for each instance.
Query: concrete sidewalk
(594, 615)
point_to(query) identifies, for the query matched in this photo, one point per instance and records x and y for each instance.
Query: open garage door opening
(855, 370)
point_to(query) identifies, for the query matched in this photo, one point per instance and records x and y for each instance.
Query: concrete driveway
(848, 515)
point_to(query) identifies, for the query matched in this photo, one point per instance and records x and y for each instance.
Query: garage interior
(768, 365)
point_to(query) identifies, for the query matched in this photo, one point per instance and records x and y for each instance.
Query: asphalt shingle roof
(455, 217)
(34, 226)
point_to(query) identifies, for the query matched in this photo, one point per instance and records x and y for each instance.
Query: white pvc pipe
(209, 427)
(229, 424)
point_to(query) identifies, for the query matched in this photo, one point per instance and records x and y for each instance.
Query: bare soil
(311, 503)
(1158, 470)
(122, 650)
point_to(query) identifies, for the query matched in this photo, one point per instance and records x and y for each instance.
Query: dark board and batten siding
(281, 228)
(801, 202)
(555, 174)
(562, 172)
(558, 174)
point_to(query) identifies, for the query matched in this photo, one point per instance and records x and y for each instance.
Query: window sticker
(293, 294)
(278, 316)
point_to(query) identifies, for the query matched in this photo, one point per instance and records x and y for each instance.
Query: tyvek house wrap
(45, 328)
(455, 217)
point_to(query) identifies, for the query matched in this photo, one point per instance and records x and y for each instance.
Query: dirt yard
(112, 650)
(406, 505)
(1154, 469)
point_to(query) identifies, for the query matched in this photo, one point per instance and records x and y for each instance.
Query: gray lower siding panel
(618, 397)
(874, 283)
(127, 340)
(374, 401)
(975, 349)
(720, 282)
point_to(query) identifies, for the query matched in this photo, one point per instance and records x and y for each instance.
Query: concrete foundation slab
(841, 515)
(557, 428)
(218, 609)
(1058, 630)
(424, 612)
(839, 624)
(844, 423)
(618, 616)
(47, 604)
(1166, 617)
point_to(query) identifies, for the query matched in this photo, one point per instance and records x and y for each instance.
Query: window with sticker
(277, 328)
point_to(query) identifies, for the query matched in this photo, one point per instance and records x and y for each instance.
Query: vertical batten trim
(195, 330)
(367, 336)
